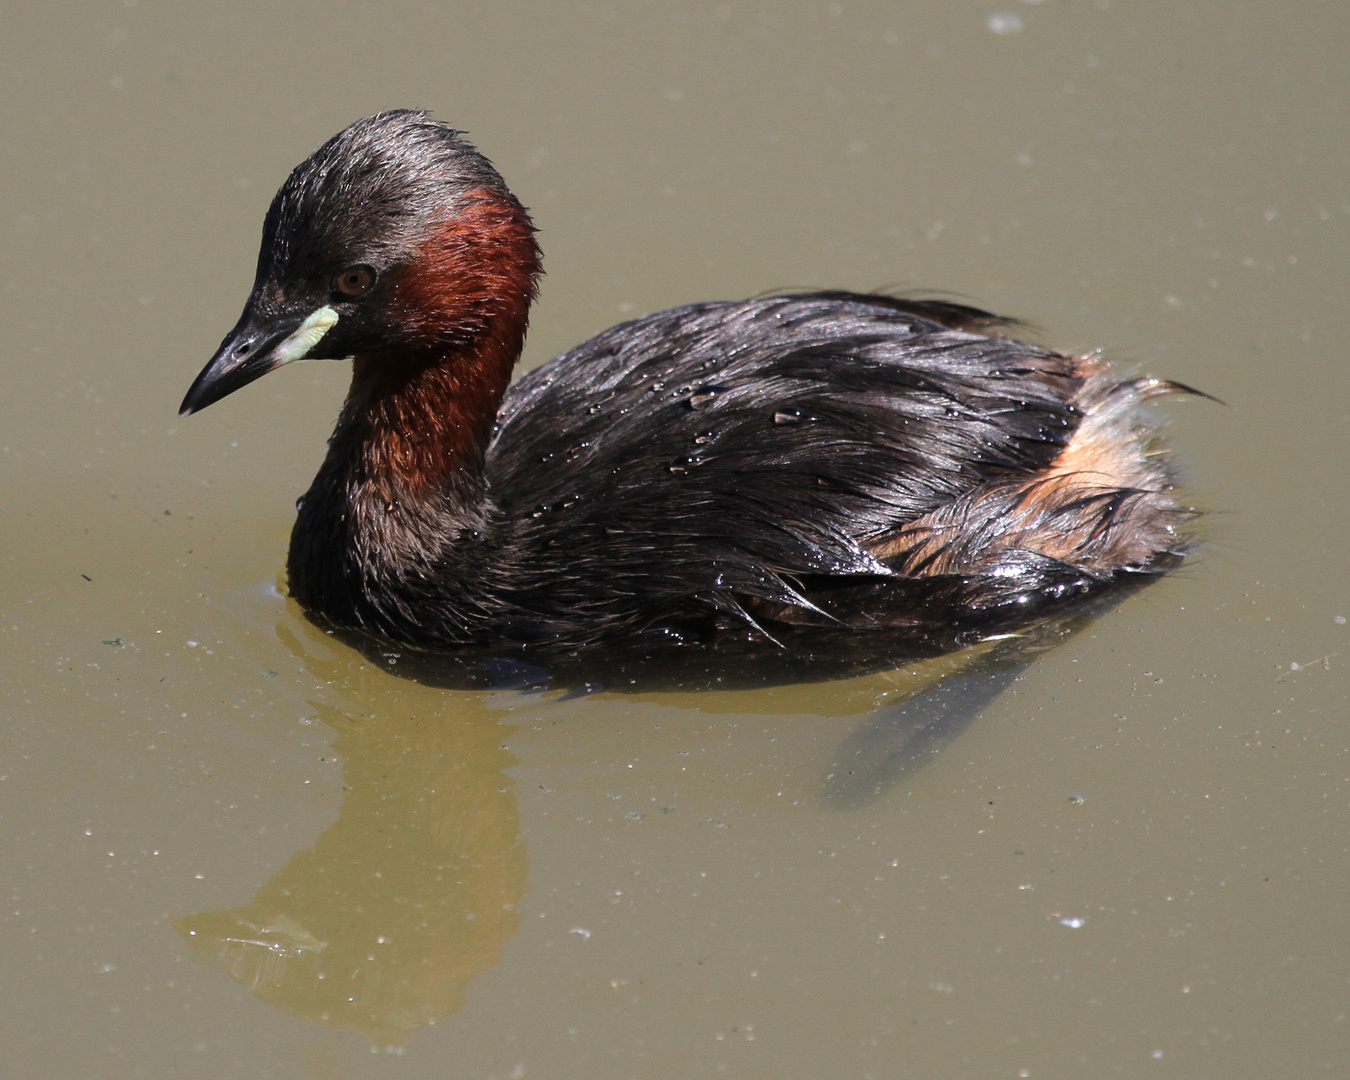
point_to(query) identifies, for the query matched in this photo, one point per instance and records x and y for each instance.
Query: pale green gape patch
(306, 336)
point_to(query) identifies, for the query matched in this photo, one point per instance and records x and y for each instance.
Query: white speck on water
(1339, 620)
(1073, 922)
(580, 930)
(1157, 1055)
(1005, 22)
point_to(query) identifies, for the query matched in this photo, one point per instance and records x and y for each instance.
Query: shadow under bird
(852, 464)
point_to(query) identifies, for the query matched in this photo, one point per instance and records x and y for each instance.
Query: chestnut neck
(420, 411)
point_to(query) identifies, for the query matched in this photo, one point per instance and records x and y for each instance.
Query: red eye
(355, 280)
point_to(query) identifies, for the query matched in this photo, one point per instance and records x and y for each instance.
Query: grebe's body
(828, 459)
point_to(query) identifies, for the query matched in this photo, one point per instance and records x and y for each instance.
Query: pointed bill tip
(254, 347)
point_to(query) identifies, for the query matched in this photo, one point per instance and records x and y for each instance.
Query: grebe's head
(395, 238)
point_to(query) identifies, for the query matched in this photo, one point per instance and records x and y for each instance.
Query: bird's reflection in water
(413, 891)
(932, 687)
(415, 888)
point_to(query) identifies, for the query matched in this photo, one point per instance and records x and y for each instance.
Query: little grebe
(829, 459)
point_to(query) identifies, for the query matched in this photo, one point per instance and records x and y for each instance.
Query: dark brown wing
(720, 453)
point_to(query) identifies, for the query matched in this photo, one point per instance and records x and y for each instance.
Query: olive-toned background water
(233, 848)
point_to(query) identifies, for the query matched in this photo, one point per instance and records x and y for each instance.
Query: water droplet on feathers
(704, 396)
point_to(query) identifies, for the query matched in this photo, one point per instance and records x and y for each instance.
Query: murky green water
(233, 848)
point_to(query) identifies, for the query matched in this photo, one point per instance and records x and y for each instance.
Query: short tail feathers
(1147, 387)
(1103, 507)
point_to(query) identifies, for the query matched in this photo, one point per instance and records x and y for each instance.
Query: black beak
(258, 344)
